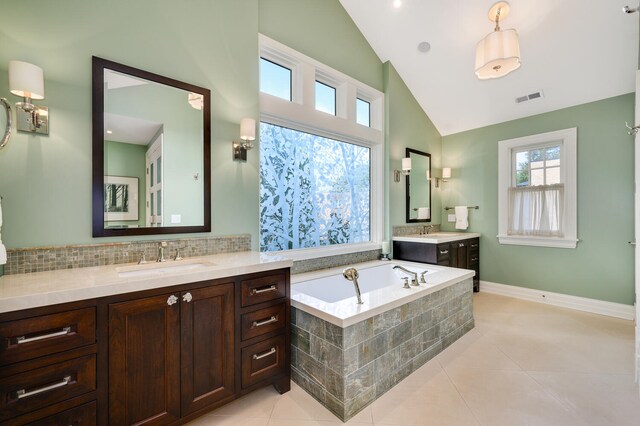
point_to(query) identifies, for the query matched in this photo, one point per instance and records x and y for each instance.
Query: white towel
(462, 217)
(3, 249)
(423, 212)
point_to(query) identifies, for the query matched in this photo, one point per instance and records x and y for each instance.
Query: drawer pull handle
(474, 245)
(20, 340)
(264, 355)
(274, 318)
(22, 393)
(272, 287)
(444, 251)
(473, 259)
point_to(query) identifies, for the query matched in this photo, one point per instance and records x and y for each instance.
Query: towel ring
(7, 130)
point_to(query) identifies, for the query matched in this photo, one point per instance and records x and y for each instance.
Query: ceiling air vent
(529, 97)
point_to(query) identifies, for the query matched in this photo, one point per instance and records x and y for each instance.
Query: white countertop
(24, 291)
(437, 237)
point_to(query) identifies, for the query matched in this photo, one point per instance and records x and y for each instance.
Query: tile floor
(525, 363)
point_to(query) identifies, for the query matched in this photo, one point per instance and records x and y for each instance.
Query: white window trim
(300, 114)
(568, 138)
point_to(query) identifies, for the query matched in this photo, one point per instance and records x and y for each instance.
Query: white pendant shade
(26, 80)
(446, 173)
(497, 54)
(248, 129)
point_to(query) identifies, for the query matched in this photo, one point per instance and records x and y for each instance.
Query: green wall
(46, 180)
(126, 159)
(601, 267)
(408, 127)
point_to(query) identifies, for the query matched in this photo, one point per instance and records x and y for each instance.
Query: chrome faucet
(413, 275)
(161, 248)
(426, 229)
(142, 258)
(351, 274)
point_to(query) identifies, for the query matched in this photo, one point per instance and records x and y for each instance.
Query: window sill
(538, 241)
(315, 253)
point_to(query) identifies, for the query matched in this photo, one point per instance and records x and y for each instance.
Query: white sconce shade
(446, 173)
(26, 80)
(248, 129)
(497, 54)
(406, 165)
(428, 175)
(196, 100)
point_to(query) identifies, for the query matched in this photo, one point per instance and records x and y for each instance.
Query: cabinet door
(207, 346)
(144, 361)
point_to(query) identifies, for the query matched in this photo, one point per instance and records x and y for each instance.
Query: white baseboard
(617, 310)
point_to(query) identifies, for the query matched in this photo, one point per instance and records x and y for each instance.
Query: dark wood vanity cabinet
(463, 254)
(156, 357)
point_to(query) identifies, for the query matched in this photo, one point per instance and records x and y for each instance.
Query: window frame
(300, 114)
(567, 139)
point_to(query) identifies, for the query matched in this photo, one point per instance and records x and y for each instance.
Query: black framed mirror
(151, 153)
(418, 188)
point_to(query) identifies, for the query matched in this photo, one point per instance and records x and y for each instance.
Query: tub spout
(351, 274)
(413, 275)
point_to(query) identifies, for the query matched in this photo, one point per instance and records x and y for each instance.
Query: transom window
(363, 112)
(325, 98)
(275, 79)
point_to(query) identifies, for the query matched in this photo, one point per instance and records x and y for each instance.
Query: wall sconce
(247, 135)
(446, 175)
(27, 80)
(406, 169)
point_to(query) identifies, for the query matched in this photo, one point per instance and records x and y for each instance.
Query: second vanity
(454, 249)
(142, 344)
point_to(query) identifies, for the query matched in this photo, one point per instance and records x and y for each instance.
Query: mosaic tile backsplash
(399, 231)
(40, 259)
(309, 265)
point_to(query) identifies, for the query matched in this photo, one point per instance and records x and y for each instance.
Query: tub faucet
(161, 248)
(413, 275)
(351, 274)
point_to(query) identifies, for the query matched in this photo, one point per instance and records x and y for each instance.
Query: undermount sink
(160, 269)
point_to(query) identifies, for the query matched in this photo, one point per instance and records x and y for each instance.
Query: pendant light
(498, 53)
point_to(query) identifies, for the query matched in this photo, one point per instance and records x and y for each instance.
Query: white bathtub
(329, 296)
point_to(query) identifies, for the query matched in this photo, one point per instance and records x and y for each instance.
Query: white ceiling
(131, 130)
(575, 51)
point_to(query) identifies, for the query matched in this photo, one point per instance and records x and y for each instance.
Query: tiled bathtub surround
(347, 369)
(40, 259)
(399, 231)
(308, 265)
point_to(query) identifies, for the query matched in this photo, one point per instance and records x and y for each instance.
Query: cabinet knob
(172, 300)
(187, 297)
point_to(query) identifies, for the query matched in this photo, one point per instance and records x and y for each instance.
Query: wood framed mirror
(151, 153)
(418, 188)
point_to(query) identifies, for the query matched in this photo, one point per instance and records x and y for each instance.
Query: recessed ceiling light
(424, 47)
(397, 3)
(109, 132)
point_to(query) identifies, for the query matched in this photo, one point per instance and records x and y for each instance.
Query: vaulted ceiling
(575, 51)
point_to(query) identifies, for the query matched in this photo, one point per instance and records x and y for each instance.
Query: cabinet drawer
(474, 245)
(474, 259)
(25, 392)
(442, 252)
(263, 360)
(263, 321)
(47, 334)
(263, 289)
(84, 415)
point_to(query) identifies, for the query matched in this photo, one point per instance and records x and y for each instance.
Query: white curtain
(536, 210)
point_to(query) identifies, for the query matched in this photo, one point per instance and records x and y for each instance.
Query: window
(325, 98)
(363, 114)
(537, 190)
(314, 191)
(321, 172)
(275, 79)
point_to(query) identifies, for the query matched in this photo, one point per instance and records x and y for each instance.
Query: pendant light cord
(497, 28)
